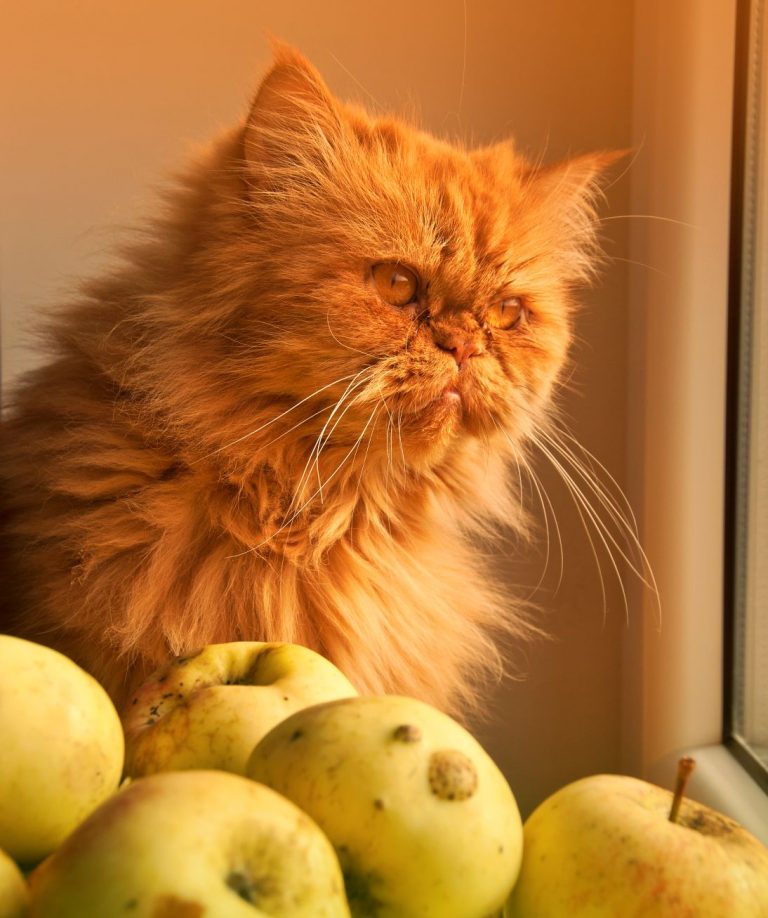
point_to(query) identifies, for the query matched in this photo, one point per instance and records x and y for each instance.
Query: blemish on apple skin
(707, 822)
(406, 733)
(182, 661)
(297, 734)
(378, 804)
(452, 775)
(251, 889)
(358, 885)
(172, 907)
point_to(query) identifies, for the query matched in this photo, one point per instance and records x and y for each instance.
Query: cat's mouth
(428, 411)
(437, 399)
(446, 409)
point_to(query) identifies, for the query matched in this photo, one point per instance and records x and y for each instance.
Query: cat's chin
(429, 431)
(461, 411)
(452, 397)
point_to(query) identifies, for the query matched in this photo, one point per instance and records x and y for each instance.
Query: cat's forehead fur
(378, 188)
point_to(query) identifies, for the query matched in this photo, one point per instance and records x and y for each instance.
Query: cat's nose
(460, 345)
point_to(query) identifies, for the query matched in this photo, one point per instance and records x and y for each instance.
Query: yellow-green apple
(604, 846)
(209, 709)
(423, 821)
(192, 843)
(14, 895)
(62, 748)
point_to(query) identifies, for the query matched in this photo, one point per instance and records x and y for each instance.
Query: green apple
(191, 843)
(605, 846)
(209, 710)
(423, 821)
(14, 895)
(62, 748)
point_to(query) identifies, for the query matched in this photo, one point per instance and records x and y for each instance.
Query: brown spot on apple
(172, 907)
(406, 733)
(182, 661)
(360, 886)
(452, 775)
(251, 889)
(706, 821)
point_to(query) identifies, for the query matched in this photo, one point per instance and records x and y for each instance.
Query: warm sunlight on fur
(287, 414)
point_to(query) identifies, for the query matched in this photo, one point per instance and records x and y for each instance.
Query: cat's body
(243, 434)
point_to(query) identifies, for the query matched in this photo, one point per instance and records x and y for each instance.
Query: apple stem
(684, 768)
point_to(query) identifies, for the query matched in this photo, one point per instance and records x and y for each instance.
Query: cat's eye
(507, 314)
(396, 284)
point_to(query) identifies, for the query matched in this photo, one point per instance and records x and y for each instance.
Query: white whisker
(346, 346)
(593, 461)
(323, 438)
(616, 514)
(582, 506)
(309, 500)
(646, 217)
(400, 436)
(544, 496)
(296, 426)
(520, 463)
(614, 511)
(268, 423)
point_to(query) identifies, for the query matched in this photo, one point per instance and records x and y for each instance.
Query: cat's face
(424, 286)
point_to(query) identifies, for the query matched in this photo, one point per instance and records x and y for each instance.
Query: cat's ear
(294, 119)
(566, 197)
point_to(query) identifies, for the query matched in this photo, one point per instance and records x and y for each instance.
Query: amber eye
(397, 285)
(507, 313)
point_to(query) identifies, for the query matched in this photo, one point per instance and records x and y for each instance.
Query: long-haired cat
(290, 410)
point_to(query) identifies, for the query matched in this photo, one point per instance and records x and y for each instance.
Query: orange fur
(237, 438)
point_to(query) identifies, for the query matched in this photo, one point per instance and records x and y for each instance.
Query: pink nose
(462, 347)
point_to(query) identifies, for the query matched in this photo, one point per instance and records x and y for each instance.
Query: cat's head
(422, 287)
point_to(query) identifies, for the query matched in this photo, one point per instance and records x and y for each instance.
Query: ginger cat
(290, 410)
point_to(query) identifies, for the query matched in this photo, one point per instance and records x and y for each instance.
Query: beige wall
(679, 314)
(100, 99)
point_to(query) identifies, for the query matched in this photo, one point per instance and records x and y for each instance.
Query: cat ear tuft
(293, 118)
(576, 181)
(566, 196)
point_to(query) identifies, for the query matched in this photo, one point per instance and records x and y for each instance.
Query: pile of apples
(251, 779)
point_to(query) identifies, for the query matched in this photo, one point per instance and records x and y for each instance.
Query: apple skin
(14, 894)
(604, 846)
(209, 709)
(62, 748)
(189, 844)
(423, 821)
